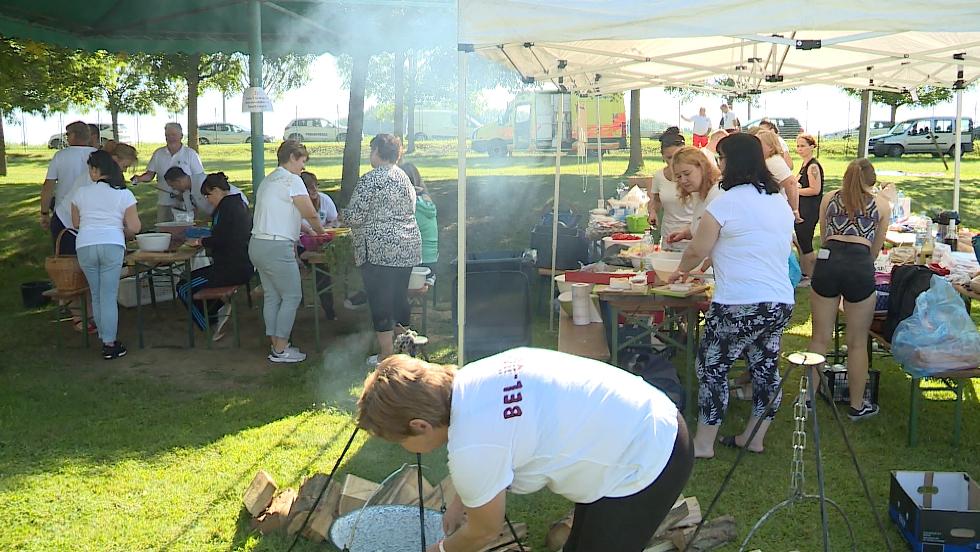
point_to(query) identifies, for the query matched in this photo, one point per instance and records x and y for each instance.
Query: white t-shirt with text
(185, 158)
(275, 213)
(64, 168)
(101, 211)
(677, 214)
(527, 419)
(751, 256)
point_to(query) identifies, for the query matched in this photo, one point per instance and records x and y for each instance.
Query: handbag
(64, 270)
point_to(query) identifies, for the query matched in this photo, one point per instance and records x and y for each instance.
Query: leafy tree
(40, 78)
(636, 149)
(128, 87)
(928, 96)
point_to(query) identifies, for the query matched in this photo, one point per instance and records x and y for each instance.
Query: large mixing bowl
(153, 241)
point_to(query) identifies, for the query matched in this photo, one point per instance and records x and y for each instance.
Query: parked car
(933, 135)
(314, 129)
(225, 133)
(789, 127)
(440, 124)
(58, 141)
(877, 128)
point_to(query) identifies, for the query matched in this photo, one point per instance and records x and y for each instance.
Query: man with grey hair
(174, 154)
(66, 165)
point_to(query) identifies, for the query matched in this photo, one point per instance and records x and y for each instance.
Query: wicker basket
(64, 270)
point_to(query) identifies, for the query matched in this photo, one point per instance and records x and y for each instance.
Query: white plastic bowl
(417, 279)
(663, 266)
(154, 241)
(565, 299)
(563, 287)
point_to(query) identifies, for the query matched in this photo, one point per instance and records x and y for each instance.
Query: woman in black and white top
(387, 243)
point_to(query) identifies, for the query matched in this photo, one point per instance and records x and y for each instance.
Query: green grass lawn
(154, 453)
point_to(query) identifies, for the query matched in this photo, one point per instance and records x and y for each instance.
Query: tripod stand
(805, 361)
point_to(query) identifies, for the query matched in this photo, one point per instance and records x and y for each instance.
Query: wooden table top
(181, 254)
(587, 341)
(628, 301)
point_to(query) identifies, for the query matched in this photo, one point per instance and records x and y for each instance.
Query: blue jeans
(102, 264)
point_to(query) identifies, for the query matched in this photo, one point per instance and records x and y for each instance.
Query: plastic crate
(839, 390)
(492, 261)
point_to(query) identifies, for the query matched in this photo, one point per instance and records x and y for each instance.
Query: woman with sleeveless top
(853, 222)
(811, 193)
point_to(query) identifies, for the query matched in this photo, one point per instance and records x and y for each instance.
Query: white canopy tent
(722, 46)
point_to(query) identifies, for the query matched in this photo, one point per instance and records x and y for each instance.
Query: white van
(314, 129)
(923, 135)
(431, 124)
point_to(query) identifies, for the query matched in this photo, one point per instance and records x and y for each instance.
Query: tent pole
(958, 149)
(554, 211)
(598, 137)
(255, 80)
(461, 210)
(862, 145)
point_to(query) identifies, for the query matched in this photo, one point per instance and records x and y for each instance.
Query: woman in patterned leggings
(747, 233)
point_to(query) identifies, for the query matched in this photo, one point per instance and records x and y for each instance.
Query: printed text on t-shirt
(512, 394)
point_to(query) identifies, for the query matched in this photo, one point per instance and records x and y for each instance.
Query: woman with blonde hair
(853, 223)
(781, 172)
(697, 185)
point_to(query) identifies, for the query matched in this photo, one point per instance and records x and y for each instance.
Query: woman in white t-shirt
(664, 195)
(281, 203)
(527, 419)
(781, 172)
(104, 213)
(746, 232)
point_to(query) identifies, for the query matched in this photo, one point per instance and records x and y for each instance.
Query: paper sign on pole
(255, 100)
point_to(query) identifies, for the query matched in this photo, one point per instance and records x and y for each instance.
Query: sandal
(77, 325)
(729, 441)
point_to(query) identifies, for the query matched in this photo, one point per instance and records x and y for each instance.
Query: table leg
(914, 412)
(207, 324)
(190, 315)
(425, 315)
(614, 346)
(958, 417)
(139, 304)
(234, 321)
(316, 307)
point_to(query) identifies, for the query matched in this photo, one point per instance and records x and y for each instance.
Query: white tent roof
(609, 46)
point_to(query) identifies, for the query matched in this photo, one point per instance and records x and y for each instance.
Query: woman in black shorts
(853, 222)
(811, 193)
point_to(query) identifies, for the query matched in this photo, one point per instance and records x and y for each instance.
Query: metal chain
(796, 477)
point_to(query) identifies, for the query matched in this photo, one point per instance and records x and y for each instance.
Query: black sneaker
(867, 411)
(356, 301)
(116, 350)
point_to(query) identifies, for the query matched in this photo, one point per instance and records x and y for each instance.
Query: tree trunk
(3, 149)
(398, 78)
(355, 127)
(636, 146)
(410, 105)
(894, 109)
(114, 113)
(193, 78)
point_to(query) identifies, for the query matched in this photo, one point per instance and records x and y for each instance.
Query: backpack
(908, 281)
(657, 371)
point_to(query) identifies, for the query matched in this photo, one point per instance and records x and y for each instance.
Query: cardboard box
(127, 290)
(936, 511)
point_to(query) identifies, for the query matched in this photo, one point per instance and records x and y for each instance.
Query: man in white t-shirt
(64, 169)
(702, 128)
(527, 419)
(174, 154)
(729, 121)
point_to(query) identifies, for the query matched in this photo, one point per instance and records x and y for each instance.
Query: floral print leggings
(730, 331)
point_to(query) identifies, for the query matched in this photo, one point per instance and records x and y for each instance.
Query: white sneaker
(224, 314)
(372, 361)
(287, 355)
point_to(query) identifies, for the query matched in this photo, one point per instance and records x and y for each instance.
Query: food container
(313, 243)
(417, 279)
(154, 241)
(619, 283)
(637, 223)
(664, 265)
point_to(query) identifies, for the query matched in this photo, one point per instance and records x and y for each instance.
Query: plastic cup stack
(581, 304)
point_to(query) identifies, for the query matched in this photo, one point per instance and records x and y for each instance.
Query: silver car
(225, 133)
(933, 135)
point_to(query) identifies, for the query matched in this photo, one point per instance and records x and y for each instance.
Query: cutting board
(665, 290)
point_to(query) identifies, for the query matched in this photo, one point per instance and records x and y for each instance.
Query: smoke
(342, 371)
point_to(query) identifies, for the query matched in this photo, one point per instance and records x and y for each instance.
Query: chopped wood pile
(674, 533)
(287, 510)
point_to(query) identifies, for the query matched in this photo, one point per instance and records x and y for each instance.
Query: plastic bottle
(898, 213)
(951, 238)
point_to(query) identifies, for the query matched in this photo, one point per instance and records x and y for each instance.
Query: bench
(225, 294)
(63, 297)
